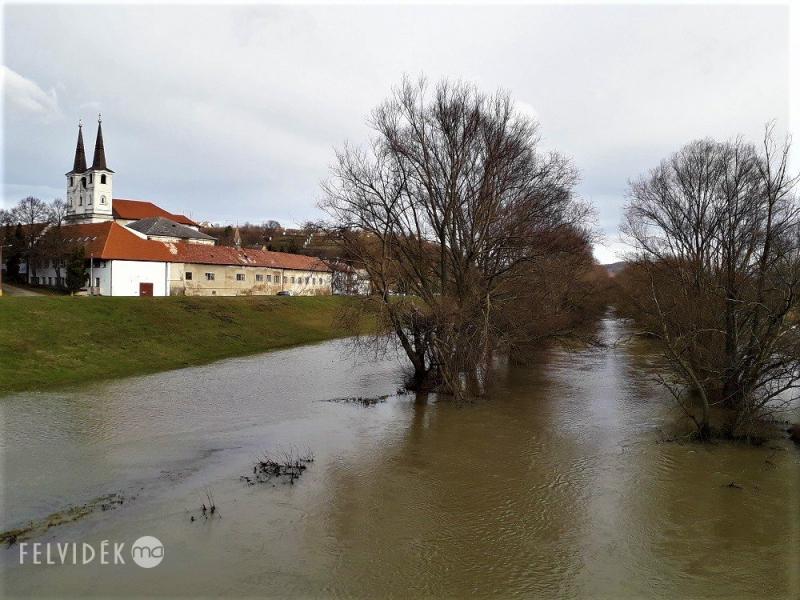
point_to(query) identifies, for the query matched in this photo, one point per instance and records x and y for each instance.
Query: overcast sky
(231, 114)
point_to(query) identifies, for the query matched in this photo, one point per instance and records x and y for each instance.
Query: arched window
(103, 178)
(80, 200)
(83, 182)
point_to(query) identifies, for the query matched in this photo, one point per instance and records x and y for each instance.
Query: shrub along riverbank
(46, 342)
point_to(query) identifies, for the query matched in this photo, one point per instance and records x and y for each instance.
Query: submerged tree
(716, 229)
(451, 211)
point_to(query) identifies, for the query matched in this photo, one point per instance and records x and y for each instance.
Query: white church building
(136, 248)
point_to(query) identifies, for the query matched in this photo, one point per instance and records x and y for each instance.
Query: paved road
(12, 290)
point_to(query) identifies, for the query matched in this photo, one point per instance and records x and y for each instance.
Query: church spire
(79, 164)
(99, 161)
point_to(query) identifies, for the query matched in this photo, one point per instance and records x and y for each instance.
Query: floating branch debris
(362, 400)
(284, 466)
(208, 509)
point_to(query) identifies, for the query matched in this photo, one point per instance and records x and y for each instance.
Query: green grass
(47, 342)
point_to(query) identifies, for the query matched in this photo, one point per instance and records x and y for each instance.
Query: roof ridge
(108, 236)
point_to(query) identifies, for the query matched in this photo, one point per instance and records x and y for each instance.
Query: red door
(145, 289)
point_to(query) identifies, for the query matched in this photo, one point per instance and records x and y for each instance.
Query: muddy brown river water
(556, 485)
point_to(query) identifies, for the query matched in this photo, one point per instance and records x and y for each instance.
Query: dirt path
(12, 290)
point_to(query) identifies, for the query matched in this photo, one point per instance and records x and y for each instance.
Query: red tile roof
(141, 209)
(111, 241)
(227, 255)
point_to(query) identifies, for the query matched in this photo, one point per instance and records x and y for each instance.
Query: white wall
(126, 275)
(103, 273)
(46, 275)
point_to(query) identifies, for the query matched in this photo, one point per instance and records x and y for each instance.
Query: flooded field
(558, 484)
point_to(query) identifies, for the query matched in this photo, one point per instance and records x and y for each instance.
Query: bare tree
(716, 230)
(445, 211)
(52, 243)
(32, 213)
(57, 212)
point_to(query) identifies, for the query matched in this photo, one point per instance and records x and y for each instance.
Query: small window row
(260, 278)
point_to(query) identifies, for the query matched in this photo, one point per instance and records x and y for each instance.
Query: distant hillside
(614, 268)
(274, 237)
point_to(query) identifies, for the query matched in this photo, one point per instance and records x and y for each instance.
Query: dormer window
(102, 178)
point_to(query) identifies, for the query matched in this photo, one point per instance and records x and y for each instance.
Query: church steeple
(99, 162)
(79, 164)
(89, 198)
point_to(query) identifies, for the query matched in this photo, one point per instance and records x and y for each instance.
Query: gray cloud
(25, 97)
(231, 113)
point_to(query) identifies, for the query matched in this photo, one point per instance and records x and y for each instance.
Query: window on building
(259, 277)
(285, 279)
(240, 277)
(83, 182)
(187, 276)
(102, 199)
(292, 279)
(97, 282)
(102, 178)
(308, 280)
(71, 183)
(269, 278)
(314, 281)
(209, 277)
(91, 178)
(80, 201)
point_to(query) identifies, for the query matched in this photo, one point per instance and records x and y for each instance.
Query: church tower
(89, 190)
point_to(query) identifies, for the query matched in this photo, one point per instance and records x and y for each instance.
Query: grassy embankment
(47, 342)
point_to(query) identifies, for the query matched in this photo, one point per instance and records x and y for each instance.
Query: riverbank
(47, 342)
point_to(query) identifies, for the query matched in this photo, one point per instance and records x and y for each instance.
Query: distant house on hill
(349, 281)
(136, 248)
